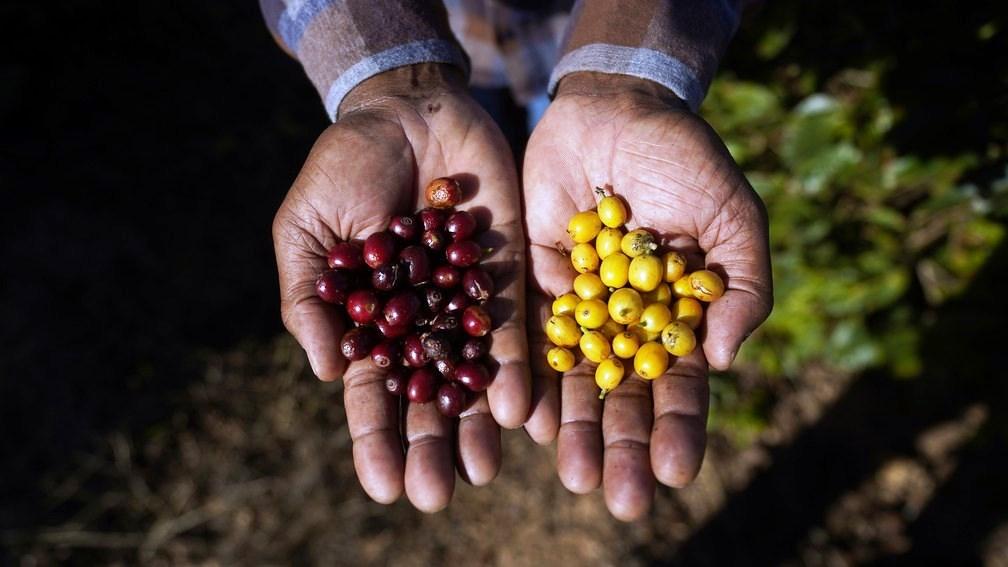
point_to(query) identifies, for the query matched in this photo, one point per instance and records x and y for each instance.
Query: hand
(396, 132)
(678, 179)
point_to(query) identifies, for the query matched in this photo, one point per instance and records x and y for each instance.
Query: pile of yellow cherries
(630, 300)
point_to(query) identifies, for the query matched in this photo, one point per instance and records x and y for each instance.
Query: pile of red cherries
(416, 294)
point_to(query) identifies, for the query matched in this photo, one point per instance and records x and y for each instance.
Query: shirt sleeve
(676, 43)
(340, 43)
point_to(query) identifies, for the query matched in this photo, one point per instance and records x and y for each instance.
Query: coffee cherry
(402, 308)
(645, 272)
(625, 344)
(474, 348)
(688, 310)
(379, 249)
(651, 361)
(437, 345)
(560, 359)
(396, 380)
(476, 321)
(595, 346)
(443, 193)
(416, 263)
(655, 317)
(451, 399)
(611, 328)
(413, 352)
(637, 242)
(675, 266)
(472, 375)
(333, 286)
(591, 313)
(363, 306)
(357, 343)
(608, 242)
(405, 227)
(661, 294)
(346, 255)
(584, 258)
(565, 304)
(625, 306)
(682, 288)
(584, 226)
(612, 211)
(434, 240)
(590, 286)
(706, 285)
(478, 284)
(615, 269)
(457, 302)
(385, 278)
(434, 298)
(463, 253)
(445, 322)
(446, 276)
(387, 353)
(563, 331)
(432, 219)
(422, 386)
(678, 339)
(460, 225)
(608, 375)
(390, 331)
(446, 367)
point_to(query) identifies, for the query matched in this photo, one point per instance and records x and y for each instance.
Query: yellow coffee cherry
(584, 226)
(688, 310)
(608, 241)
(678, 339)
(560, 359)
(660, 294)
(706, 285)
(590, 286)
(645, 272)
(675, 265)
(612, 211)
(584, 258)
(625, 306)
(615, 269)
(595, 346)
(682, 288)
(563, 331)
(637, 242)
(642, 334)
(611, 328)
(654, 318)
(565, 304)
(651, 361)
(591, 313)
(625, 344)
(608, 375)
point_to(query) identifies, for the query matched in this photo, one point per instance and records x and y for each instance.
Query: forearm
(675, 43)
(342, 43)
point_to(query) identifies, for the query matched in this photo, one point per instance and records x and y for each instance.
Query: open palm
(679, 180)
(373, 163)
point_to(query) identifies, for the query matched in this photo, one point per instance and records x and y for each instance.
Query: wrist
(416, 83)
(590, 83)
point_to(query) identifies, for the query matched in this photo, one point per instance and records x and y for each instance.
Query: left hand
(678, 179)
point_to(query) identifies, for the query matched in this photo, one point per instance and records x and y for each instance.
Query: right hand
(396, 132)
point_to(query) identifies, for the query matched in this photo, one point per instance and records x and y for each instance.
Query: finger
(738, 250)
(544, 417)
(679, 437)
(510, 393)
(579, 442)
(627, 481)
(479, 444)
(317, 325)
(373, 419)
(430, 473)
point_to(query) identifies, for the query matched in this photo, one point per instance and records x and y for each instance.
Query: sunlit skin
(679, 180)
(390, 119)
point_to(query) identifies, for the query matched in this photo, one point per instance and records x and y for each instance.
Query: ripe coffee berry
(402, 308)
(457, 302)
(463, 253)
(422, 386)
(446, 276)
(446, 367)
(477, 284)
(346, 255)
(405, 227)
(476, 321)
(451, 399)
(434, 240)
(333, 286)
(413, 352)
(385, 278)
(363, 306)
(386, 353)
(437, 345)
(379, 249)
(416, 263)
(358, 342)
(396, 380)
(435, 298)
(445, 322)
(432, 219)
(474, 348)
(390, 331)
(443, 193)
(460, 225)
(472, 375)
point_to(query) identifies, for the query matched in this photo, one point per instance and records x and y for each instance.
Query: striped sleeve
(340, 43)
(676, 43)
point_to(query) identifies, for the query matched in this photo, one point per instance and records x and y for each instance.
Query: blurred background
(155, 412)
